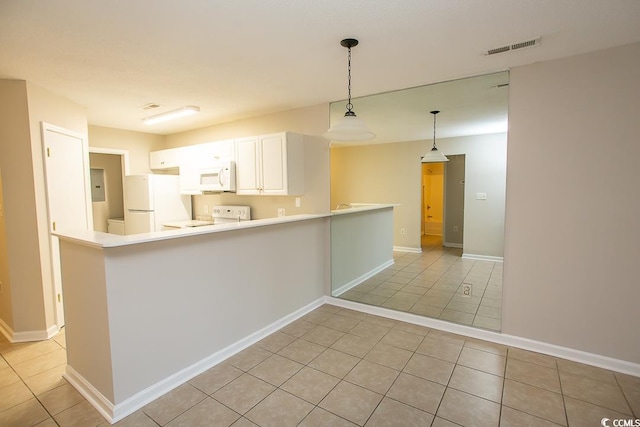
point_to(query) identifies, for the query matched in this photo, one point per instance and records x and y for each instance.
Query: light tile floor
(339, 367)
(431, 284)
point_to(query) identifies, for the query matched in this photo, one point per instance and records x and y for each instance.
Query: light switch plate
(280, 211)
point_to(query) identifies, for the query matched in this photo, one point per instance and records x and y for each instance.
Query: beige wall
(311, 121)
(6, 311)
(139, 144)
(23, 106)
(391, 173)
(572, 255)
(113, 205)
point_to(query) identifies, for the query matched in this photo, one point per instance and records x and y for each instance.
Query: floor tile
(392, 357)
(393, 413)
(599, 393)
(372, 376)
(354, 314)
(249, 358)
(60, 398)
(174, 403)
(354, 345)
(457, 316)
(581, 413)
(137, 419)
(446, 336)
(27, 413)
(243, 393)
(41, 363)
(334, 363)
(587, 371)
(468, 410)
(206, 413)
(47, 380)
(49, 422)
(318, 417)
(298, 328)
(440, 349)
(370, 330)
(487, 323)
(533, 374)
(478, 383)
(323, 335)
(341, 323)
(14, 394)
(535, 401)
(417, 392)
(243, 422)
(380, 321)
(279, 409)
(532, 357)
(31, 351)
(302, 351)
(310, 384)
(275, 342)
(429, 368)
(80, 415)
(402, 339)
(352, 402)
(414, 329)
(487, 346)
(276, 370)
(7, 377)
(477, 359)
(441, 422)
(426, 310)
(398, 304)
(215, 378)
(513, 418)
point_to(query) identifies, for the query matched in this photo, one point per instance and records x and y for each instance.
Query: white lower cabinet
(270, 164)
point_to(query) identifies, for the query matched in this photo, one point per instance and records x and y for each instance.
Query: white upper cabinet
(270, 164)
(165, 159)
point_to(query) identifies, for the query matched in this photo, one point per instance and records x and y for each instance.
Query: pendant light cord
(349, 104)
(434, 130)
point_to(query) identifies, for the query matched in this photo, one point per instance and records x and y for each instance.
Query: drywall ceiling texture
(571, 250)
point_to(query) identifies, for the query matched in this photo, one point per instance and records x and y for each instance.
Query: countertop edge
(98, 239)
(362, 207)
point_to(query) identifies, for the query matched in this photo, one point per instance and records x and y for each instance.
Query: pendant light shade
(433, 155)
(349, 127)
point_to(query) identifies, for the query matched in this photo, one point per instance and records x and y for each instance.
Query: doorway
(442, 208)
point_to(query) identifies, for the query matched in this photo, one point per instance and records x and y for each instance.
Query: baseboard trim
(452, 245)
(355, 282)
(483, 257)
(407, 249)
(27, 336)
(114, 413)
(592, 359)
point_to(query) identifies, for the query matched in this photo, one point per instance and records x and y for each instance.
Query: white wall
(391, 173)
(572, 251)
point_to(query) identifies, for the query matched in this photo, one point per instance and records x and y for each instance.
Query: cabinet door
(165, 159)
(247, 169)
(273, 152)
(190, 171)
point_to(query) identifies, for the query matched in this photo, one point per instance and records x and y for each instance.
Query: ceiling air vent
(150, 106)
(514, 46)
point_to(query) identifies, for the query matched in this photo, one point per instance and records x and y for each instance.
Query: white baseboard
(407, 249)
(593, 359)
(355, 282)
(27, 336)
(483, 257)
(114, 413)
(452, 245)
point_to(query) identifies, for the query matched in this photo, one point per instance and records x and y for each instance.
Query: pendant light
(434, 156)
(349, 127)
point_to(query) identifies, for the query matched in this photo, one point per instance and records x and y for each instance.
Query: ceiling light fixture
(170, 115)
(349, 127)
(434, 156)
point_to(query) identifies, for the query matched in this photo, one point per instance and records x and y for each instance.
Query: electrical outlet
(402, 231)
(467, 290)
(297, 202)
(206, 209)
(280, 211)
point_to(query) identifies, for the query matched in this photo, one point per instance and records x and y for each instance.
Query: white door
(68, 193)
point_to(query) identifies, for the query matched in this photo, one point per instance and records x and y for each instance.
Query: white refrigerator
(151, 200)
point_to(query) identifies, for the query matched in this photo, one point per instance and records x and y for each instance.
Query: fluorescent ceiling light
(170, 115)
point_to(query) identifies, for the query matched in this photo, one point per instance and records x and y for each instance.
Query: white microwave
(218, 178)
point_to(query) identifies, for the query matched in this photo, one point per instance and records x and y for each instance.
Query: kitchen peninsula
(147, 312)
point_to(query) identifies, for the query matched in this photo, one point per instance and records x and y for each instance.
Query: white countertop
(104, 240)
(361, 207)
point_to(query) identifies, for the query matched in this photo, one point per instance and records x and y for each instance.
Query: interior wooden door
(68, 194)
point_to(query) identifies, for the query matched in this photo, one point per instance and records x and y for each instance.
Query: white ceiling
(242, 58)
